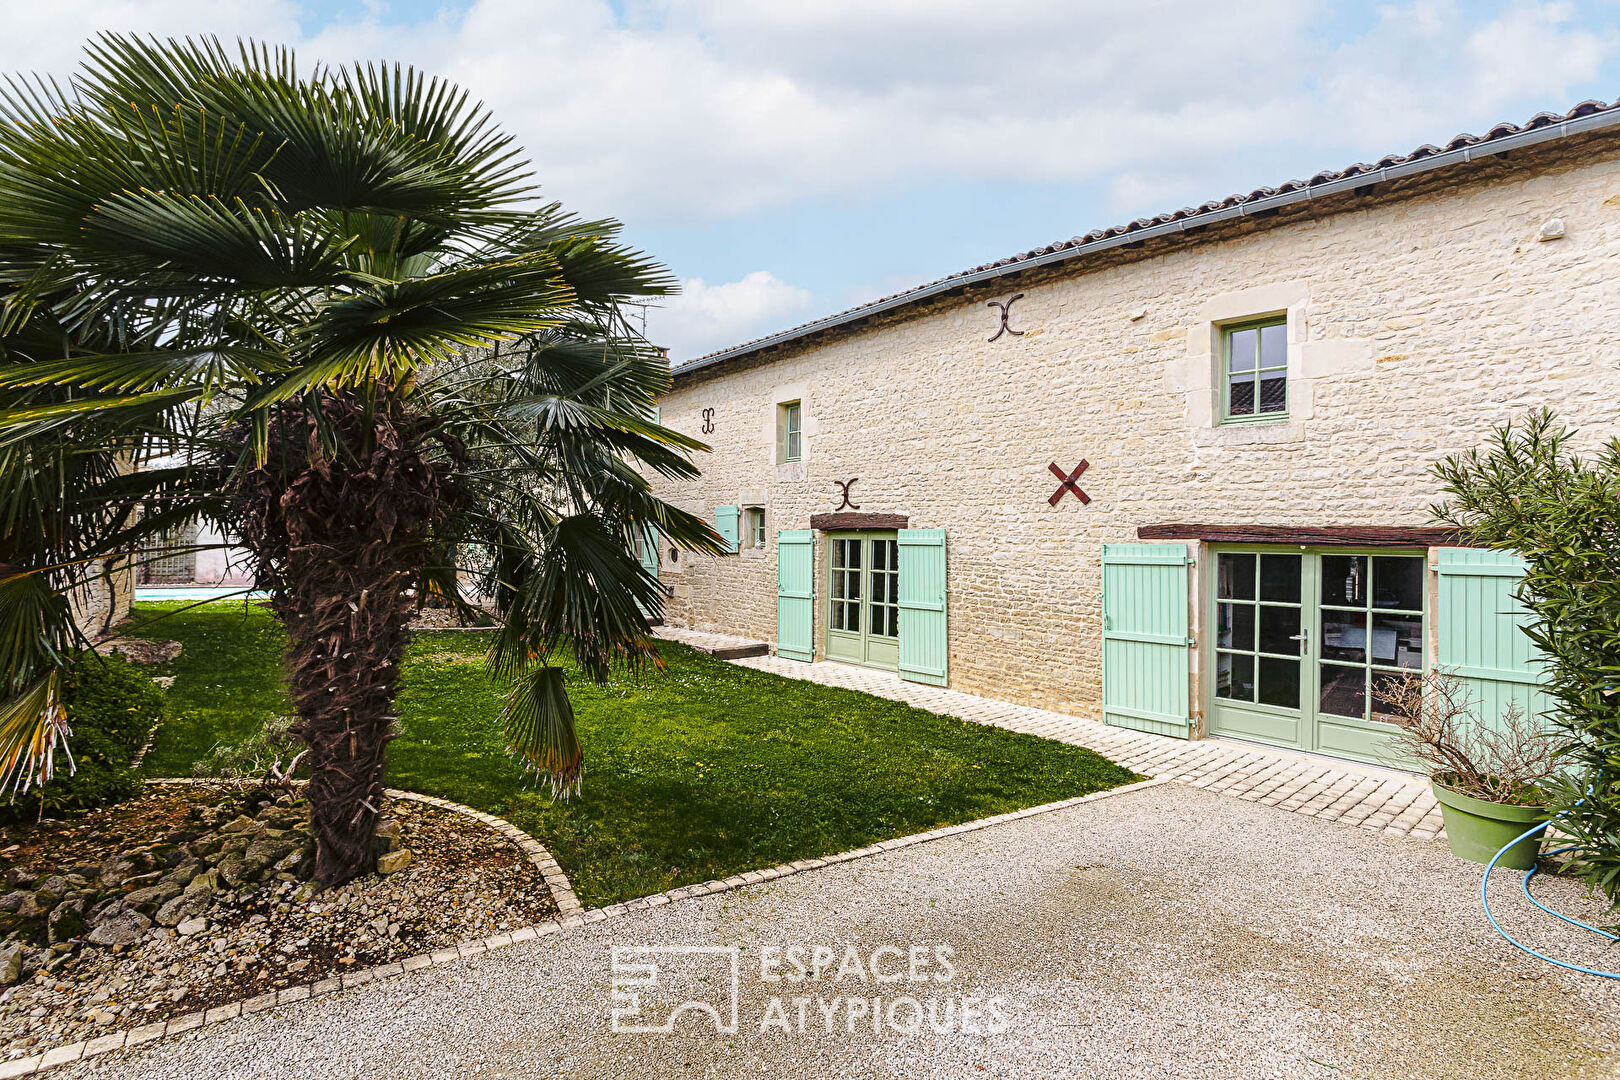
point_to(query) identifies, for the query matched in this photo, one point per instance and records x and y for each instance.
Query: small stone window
(756, 527)
(789, 432)
(1254, 371)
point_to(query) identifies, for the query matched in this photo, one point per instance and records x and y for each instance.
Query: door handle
(1303, 637)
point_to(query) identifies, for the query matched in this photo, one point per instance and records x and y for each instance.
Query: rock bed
(443, 619)
(184, 899)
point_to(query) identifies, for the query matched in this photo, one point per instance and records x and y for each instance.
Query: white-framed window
(789, 428)
(756, 526)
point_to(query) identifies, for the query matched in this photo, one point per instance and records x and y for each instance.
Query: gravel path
(1167, 932)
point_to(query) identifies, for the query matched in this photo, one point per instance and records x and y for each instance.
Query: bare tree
(1504, 762)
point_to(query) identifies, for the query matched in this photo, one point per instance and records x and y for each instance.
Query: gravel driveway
(1166, 932)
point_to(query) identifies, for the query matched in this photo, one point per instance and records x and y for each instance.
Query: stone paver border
(146, 747)
(133, 1037)
(1379, 800)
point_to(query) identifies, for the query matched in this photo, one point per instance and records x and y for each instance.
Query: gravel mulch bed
(184, 899)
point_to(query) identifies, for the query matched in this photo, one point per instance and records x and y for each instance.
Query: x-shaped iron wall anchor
(845, 485)
(1006, 310)
(1069, 482)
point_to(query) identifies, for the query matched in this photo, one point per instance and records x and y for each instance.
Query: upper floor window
(1254, 365)
(790, 438)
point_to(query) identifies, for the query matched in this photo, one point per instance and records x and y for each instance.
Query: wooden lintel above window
(1314, 535)
(849, 520)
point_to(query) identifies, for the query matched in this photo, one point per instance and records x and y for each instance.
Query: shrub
(1531, 495)
(111, 706)
(270, 755)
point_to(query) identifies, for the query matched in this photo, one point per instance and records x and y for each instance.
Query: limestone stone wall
(104, 601)
(1418, 318)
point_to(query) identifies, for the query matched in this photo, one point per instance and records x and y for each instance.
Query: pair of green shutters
(1147, 646)
(923, 643)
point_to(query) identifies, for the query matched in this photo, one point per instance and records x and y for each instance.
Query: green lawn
(227, 678)
(697, 772)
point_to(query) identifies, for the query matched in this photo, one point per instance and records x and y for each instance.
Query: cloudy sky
(790, 158)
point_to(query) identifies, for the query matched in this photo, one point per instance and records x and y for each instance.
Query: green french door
(1307, 643)
(863, 617)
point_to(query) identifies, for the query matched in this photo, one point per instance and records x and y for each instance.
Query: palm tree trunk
(343, 535)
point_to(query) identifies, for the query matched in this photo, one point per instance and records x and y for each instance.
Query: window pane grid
(1371, 631)
(1248, 629)
(790, 432)
(885, 590)
(846, 585)
(1256, 370)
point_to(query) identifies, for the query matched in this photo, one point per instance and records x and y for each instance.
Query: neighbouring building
(194, 554)
(1174, 475)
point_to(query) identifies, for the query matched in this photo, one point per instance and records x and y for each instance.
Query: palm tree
(386, 362)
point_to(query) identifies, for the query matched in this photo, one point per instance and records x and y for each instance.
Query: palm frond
(214, 366)
(229, 243)
(33, 727)
(387, 332)
(538, 726)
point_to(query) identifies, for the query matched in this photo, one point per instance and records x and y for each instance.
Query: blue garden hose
(1484, 902)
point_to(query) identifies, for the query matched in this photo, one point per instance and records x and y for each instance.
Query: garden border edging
(562, 892)
(118, 1040)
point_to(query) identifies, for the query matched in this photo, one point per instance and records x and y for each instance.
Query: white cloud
(1425, 71)
(686, 111)
(1535, 49)
(49, 36)
(706, 317)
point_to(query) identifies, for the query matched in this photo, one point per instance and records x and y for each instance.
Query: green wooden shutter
(725, 523)
(923, 643)
(649, 558)
(649, 552)
(647, 555)
(1479, 635)
(1146, 647)
(795, 594)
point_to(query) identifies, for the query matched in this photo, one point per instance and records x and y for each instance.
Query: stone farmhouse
(1174, 474)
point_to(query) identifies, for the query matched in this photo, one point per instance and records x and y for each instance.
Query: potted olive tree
(1488, 776)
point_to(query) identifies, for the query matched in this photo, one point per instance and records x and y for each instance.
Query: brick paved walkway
(1381, 800)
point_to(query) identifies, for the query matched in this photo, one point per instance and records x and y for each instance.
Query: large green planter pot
(1477, 829)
